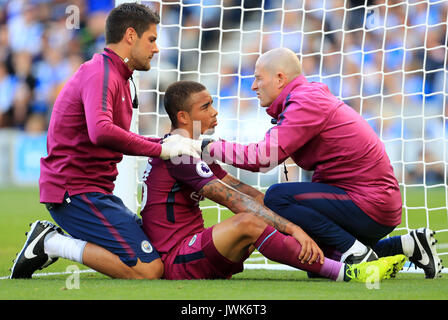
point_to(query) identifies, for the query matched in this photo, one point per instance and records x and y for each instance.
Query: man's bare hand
(310, 250)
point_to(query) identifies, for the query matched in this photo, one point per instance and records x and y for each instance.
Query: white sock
(64, 246)
(407, 243)
(356, 249)
(341, 273)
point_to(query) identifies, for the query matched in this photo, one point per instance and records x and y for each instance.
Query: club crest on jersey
(193, 240)
(146, 246)
(203, 169)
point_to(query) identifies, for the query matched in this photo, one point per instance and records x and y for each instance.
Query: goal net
(386, 59)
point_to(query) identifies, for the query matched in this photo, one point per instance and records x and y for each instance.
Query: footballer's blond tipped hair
(281, 60)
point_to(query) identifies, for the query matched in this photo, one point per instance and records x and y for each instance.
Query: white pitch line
(54, 274)
(441, 246)
(407, 268)
(249, 266)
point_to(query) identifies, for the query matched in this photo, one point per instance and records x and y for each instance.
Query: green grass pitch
(20, 206)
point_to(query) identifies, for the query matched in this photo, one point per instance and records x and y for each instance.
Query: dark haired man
(173, 220)
(87, 136)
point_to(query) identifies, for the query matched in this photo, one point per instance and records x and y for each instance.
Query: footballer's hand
(176, 145)
(310, 250)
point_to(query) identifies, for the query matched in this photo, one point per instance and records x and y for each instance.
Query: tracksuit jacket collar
(125, 72)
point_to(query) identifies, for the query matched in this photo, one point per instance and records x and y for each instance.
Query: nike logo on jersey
(29, 252)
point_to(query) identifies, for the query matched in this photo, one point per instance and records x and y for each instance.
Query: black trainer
(32, 257)
(370, 255)
(425, 254)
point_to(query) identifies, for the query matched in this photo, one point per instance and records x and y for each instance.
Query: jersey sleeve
(192, 172)
(218, 171)
(98, 99)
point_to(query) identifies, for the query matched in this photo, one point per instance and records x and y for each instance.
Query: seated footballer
(173, 221)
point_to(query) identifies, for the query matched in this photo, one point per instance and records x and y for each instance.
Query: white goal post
(386, 59)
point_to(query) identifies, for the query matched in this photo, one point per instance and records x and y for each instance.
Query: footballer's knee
(249, 225)
(150, 271)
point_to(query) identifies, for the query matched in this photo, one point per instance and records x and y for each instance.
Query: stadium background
(38, 53)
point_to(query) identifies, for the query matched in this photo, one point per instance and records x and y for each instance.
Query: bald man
(354, 199)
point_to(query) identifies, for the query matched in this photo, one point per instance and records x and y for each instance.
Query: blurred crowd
(42, 43)
(389, 63)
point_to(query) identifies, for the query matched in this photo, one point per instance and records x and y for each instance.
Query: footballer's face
(144, 49)
(203, 113)
(265, 85)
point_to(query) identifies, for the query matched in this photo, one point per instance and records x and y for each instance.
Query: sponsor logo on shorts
(193, 240)
(146, 246)
(203, 169)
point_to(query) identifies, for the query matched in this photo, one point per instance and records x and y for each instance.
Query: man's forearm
(261, 156)
(244, 188)
(111, 136)
(237, 202)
